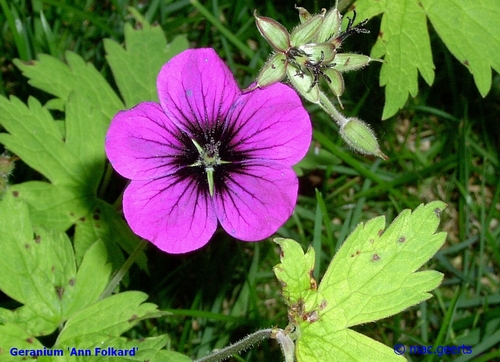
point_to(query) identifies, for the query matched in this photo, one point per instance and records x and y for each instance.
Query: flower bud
(275, 33)
(273, 71)
(361, 138)
(335, 82)
(307, 30)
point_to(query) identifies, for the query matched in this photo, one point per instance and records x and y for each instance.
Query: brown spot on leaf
(323, 304)
(27, 246)
(466, 62)
(133, 318)
(375, 257)
(380, 232)
(96, 217)
(60, 292)
(29, 340)
(38, 238)
(310, 317)
(357, 252)
(82, 219)
(71, 282)
(401, 239)
(15, 193)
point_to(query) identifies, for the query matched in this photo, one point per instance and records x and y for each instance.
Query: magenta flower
(208, 153)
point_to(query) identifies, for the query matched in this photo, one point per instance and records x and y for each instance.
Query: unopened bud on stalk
(361, 138)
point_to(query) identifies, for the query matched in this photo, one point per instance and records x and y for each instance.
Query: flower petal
(141, 142)
(257, 200)
(170, 213)
(196, 89)
(271, 124)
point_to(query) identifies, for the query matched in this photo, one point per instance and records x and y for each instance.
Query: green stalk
(238, 347)
(120, 273)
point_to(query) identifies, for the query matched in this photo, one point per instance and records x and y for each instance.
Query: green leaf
(55, 77)
(372, 276)
(103, 321)
(105, 223)
(53, 206)
(42, 271)
(39, 267)
(91, 279)
(34, 137)
(295, 267)
(404, 42)
(12, 335)
(476, 41)
(135, 73)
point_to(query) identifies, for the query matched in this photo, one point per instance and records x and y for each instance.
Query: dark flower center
(209, 157)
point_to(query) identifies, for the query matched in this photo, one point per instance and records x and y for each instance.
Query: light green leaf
(55, 77)
(91, 279)
(86, 128)
(12, 335)
(53, 206)
(34, 137)
(42, 271)
(105, 223)
(135, 73)
(372, 276)
(295, 267)
(39, 266)
(103, 321)
(404, 42)
(470, 30)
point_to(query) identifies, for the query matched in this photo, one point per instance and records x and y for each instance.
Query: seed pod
(306, 31)
(335, 82)
(302, 81)
(361, 138)
(273, 71)
(331, 25)
(346, 62)
(275, 33)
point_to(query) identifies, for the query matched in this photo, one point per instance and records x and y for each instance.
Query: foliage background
(444, 144)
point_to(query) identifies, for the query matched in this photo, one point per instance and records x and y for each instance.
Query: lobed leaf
(103, 321)
(404, 42)
(372, 276)
(135, 73)
(476, 41)
(59, 79)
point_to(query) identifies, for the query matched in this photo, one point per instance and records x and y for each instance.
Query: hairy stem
(237, 347)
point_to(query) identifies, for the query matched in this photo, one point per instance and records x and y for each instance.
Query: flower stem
(329, 108)
(237, 347)
(120, 273)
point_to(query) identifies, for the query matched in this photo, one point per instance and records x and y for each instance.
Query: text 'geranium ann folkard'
(208, 153)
